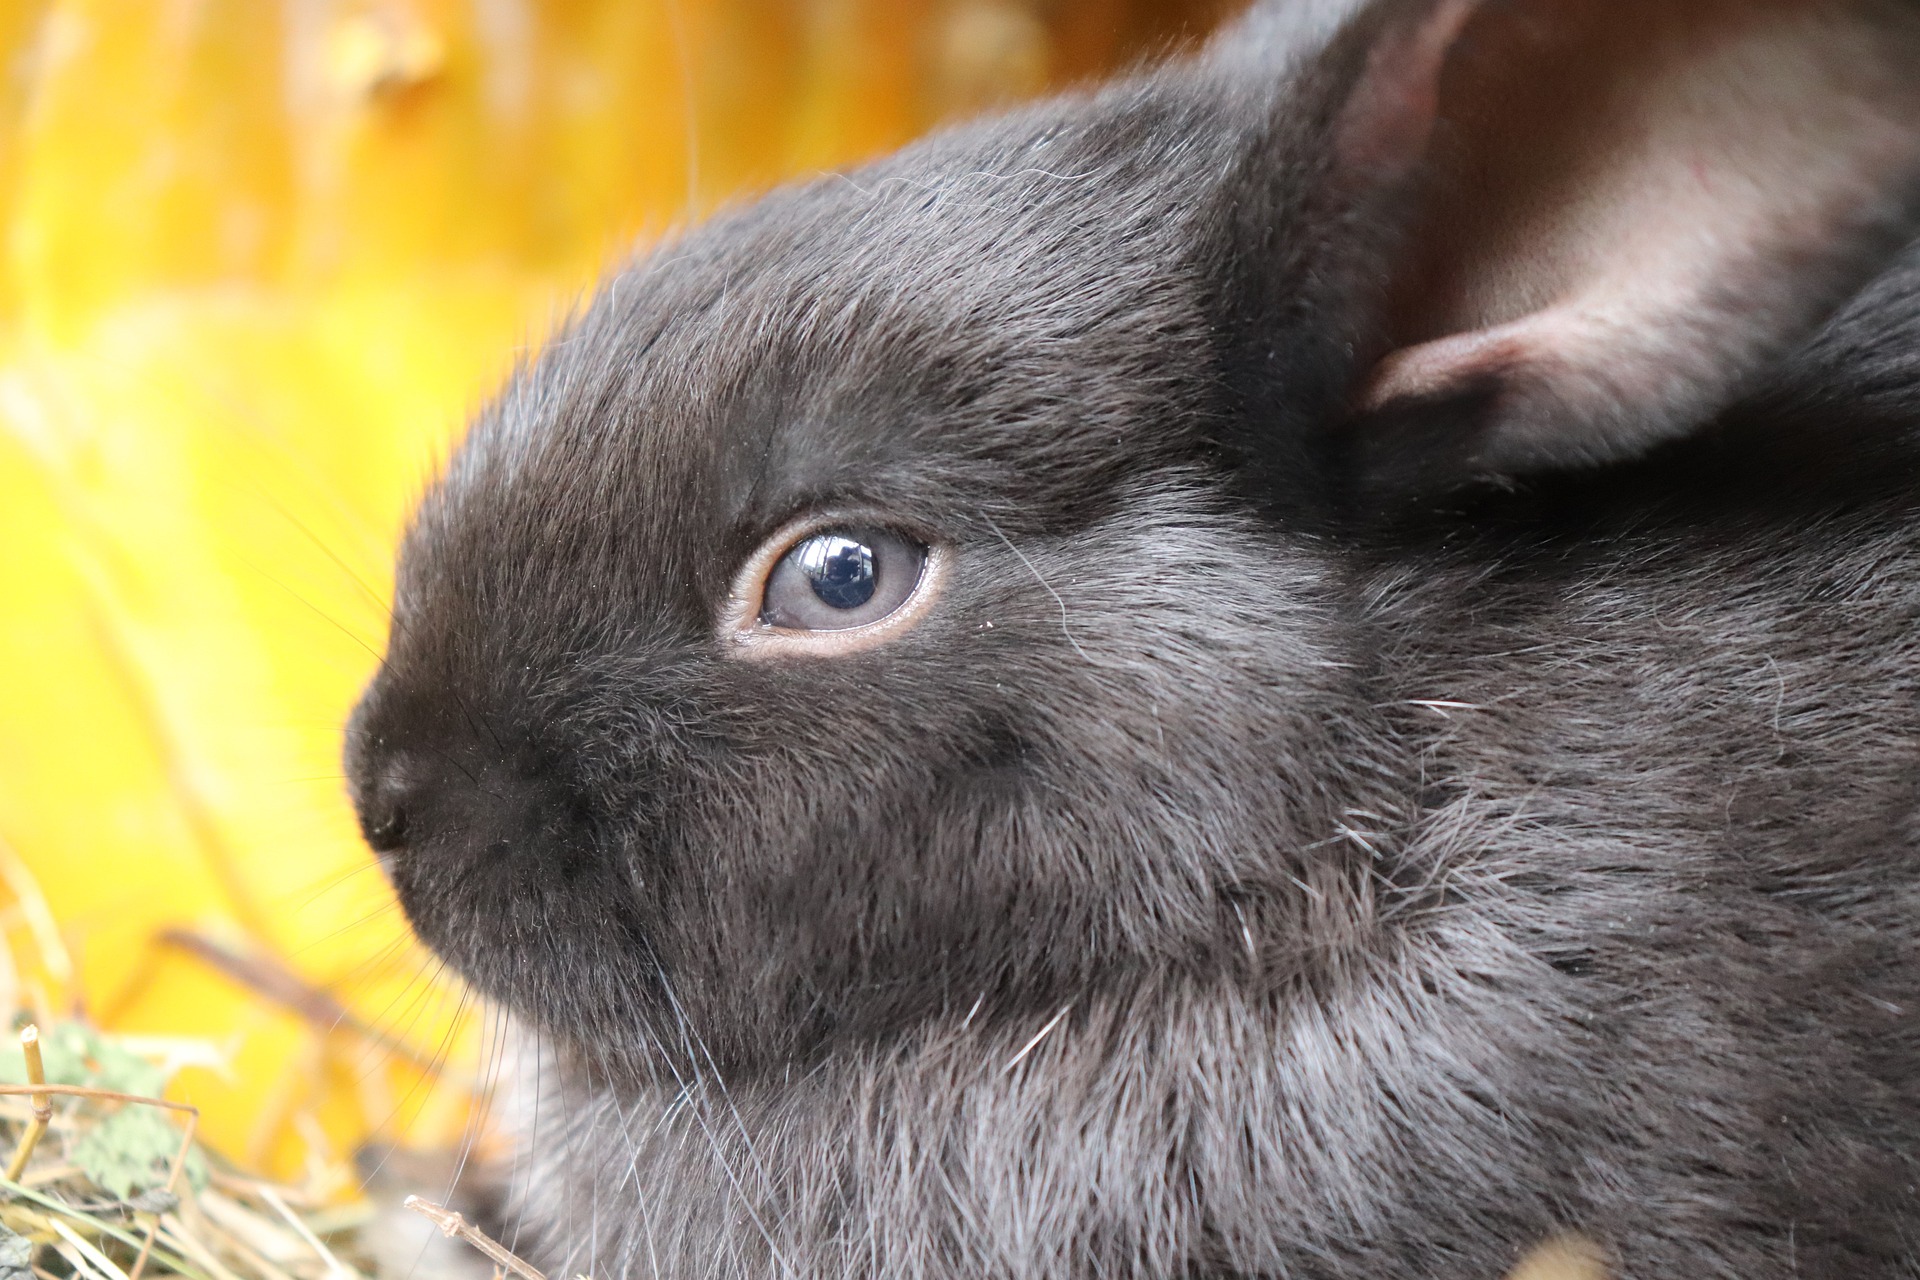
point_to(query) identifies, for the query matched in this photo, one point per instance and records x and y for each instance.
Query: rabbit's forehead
(952, 344)
(852, 351)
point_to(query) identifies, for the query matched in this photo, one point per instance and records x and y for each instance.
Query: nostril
(384, 826)
(386, 798)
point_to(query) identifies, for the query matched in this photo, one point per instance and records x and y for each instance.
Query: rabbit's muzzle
(500, 864)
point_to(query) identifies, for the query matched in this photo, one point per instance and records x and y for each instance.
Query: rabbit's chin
(1132, 1136)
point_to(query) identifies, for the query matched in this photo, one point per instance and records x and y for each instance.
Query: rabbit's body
(1642, 958)
(1273, 851)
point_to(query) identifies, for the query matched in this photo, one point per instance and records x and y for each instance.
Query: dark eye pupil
(838, 568)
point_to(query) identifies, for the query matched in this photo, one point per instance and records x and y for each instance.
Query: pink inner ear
(1384, 130)
(1641, 203)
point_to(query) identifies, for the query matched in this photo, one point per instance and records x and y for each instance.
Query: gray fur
(1396, 886)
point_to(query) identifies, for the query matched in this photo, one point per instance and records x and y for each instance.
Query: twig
(452, 1224)
(97, 1261)
(146, 1249)
(235, 1243)
(98, 1095)
(313, 1241)
(177, 1236)
(42, 1103)
(267, 977)
(82, 1269)
(39, 1091)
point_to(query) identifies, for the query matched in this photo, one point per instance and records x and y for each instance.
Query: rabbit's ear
(1613, 214)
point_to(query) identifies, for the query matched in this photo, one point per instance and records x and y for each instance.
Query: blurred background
(259, 259)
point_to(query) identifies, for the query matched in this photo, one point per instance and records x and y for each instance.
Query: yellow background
(259, 260)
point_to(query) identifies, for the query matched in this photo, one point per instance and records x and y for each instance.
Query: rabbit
(1305, 664)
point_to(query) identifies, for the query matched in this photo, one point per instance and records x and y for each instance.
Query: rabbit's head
(924, 593)
(842, 623)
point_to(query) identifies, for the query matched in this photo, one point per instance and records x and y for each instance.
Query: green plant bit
(41, 1095)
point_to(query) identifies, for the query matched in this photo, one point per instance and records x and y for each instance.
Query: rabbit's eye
(832, 590)
(840, 579)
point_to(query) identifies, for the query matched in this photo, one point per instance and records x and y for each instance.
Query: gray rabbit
(1305, 665)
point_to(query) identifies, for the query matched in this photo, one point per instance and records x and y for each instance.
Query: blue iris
(838, 568)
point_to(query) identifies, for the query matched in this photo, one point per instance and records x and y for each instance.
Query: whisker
(327, 550)
(1046, 586)
(747, 1203)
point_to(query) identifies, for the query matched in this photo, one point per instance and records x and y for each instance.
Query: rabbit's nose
(387, 802)
(384, 825)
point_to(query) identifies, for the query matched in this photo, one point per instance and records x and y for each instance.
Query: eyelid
(743, 635)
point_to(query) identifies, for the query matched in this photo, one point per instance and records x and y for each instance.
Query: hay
(109, 1184)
